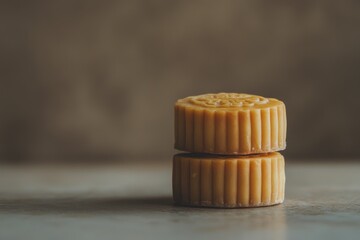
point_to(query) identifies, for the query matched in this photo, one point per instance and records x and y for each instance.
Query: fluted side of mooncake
(228, 182)
(230, 132)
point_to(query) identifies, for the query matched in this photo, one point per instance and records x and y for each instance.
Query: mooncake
(230, 124)
(205, 180)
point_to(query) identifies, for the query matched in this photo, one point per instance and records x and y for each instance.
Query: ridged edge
(229, 182)
(230, 132)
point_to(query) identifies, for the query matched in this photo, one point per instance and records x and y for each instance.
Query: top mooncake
(230, 123)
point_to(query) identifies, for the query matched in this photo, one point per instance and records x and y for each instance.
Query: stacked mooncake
(232, 140)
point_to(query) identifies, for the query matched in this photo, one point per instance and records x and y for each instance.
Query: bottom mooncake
(228, 181)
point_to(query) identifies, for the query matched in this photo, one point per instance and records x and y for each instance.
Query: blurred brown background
(96, 80)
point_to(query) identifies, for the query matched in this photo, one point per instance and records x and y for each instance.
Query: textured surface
(228, 181)
(133, 202)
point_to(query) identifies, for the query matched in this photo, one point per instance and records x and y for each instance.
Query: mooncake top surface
(230, 101)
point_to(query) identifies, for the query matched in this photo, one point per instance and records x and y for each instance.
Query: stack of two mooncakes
(233, 141)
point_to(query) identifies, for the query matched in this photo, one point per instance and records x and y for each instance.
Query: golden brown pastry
(228, 181)
(230, 123)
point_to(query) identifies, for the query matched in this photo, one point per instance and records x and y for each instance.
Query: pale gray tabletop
(133, 201)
